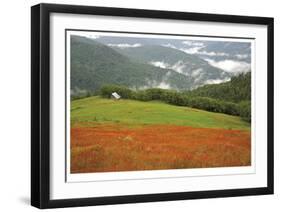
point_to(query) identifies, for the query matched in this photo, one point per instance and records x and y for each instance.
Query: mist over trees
(236, 90)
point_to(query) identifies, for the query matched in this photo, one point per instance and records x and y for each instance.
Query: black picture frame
(40, 105)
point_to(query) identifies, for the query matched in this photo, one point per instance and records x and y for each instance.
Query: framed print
(134, 105)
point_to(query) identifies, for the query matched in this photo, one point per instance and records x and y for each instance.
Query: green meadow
(96, 110)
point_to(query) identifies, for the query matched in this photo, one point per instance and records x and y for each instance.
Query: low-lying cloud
(164, 85)
(197, 48)
(193, 43)
(156, 84)
(216, 81)
(213, 53)
(197, 72)
(160, 64)
(231, 66)
(242, 56)
(124, 45)
(178, 66)
(169, 45)
(192, 50)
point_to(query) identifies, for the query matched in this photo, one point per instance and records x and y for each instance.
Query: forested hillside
(94, 64)
(199, 70)
(236, 90)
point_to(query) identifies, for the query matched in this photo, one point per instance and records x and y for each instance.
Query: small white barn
(115, 95)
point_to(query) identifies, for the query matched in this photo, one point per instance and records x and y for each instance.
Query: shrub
(245, 110)
(141, 95)
(169, 96)
(231, 108)
(154, 93)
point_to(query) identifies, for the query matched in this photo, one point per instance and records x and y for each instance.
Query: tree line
(240, 108)
(233, 97)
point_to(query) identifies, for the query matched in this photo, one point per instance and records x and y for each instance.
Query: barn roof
(116, 95)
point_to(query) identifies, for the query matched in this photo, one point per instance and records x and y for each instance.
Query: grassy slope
(96, 110)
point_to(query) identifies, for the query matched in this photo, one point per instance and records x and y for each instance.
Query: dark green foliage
(236, 95)
(245, 110)
(203, 103)
(175, 98)
(154, 93)
(231, 108)
(236, 90)
(208, 104)
(141, 95)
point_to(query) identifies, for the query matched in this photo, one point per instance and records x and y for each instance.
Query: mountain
(211, 49)
(94, 64)
(199, 70)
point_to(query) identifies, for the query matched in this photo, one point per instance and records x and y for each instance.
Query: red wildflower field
(106, 148)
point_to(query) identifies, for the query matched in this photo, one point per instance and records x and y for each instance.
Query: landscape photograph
(158, 102)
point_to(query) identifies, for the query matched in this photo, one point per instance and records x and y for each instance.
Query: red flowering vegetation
(108, 148)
